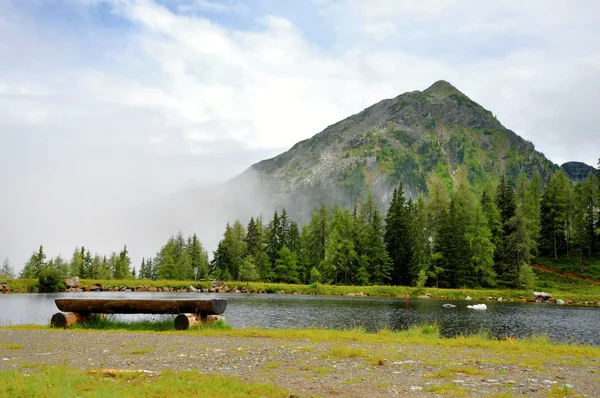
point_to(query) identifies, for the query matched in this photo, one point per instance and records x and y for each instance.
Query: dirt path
(566, 274)
(312, 369)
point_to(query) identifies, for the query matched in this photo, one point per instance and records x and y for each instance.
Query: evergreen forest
(450, 239)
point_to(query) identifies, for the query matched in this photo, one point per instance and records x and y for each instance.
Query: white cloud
(116, 116)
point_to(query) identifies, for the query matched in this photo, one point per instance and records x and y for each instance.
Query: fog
(103, 198)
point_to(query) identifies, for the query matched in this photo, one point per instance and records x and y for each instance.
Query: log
(66, 319)
(186, 321)
(124, 306)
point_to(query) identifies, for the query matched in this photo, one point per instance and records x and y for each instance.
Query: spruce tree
(554, 214)
(374, 261)
(505, 200)
(7, 270)
(397, 239)
(286, 269)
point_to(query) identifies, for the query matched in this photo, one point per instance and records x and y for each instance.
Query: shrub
(50, 281)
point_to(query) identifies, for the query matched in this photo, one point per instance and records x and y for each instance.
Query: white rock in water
(449, 306)
(559, 301)
(478, 307)
(468, 298)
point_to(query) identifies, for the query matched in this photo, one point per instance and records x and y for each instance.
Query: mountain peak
(442, 86)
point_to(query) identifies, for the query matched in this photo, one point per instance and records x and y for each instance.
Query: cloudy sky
(107, 104)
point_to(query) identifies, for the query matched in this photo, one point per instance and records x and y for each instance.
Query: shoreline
(24, 286)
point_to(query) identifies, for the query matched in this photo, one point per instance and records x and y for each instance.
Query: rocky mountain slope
(398, 140)
(577, 171)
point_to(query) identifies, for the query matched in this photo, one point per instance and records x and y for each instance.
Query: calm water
(271, 311)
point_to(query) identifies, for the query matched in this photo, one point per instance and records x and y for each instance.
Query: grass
(566, 288)
(426, 334)
(11, 346)
(165, 325)
(447, 372)
(55, 381)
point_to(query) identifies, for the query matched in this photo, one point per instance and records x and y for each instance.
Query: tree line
(451, 238)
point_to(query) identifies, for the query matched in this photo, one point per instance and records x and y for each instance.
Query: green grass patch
(54, 381)
(101, 322)
(11, 346)
(272, 365)
(454, 389)
(453, 371)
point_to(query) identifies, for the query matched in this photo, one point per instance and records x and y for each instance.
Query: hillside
(577, 171)
(398, 140)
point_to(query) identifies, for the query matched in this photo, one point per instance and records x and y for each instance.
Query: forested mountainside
(399, 140)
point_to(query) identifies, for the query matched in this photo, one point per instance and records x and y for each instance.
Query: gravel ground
(306, 368)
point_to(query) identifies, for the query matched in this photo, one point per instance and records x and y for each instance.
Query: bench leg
(186, 321)
(66, 319)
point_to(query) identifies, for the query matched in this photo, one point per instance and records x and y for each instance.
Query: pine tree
(255, 248)
(35, 265)
(421, 251)
(505, 200)
(123, 262)
(76, 264)
(437, 227)
(7, 270)
(61, 266)
(315, 241)
(274, 239)
(533, 199)
(375, 263)
(397, 239)
(248, 271)
(492, 216)
(198, 257)
(286, 269)
(554, 204)
(143, 270)
(105, 271)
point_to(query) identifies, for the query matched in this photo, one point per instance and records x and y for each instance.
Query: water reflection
(501, 319)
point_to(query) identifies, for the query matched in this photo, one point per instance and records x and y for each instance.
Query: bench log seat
(76, 310)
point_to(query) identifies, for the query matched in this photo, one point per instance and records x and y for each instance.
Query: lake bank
(569, 290)
(320, 362)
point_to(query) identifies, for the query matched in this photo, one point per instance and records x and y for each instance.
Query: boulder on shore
(542, 297)
(72, 282)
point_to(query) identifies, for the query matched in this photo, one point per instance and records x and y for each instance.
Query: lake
(566, 324)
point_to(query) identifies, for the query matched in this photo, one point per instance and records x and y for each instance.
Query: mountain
(577, 171)
(398, 140)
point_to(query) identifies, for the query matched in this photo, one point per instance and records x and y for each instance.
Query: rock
(72, 282)
(560, 302)
(542, 297)
(500, 299)
(477, 307)
(235, 291)
(424, 297)
(468, 298)
(205, 290)
(192, 289)
(152, 289)
(281, 292)
(360, 294)
(94, 288)
(351, 294)
(449, 306)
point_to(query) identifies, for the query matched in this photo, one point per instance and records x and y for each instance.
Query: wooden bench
(190, 311)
